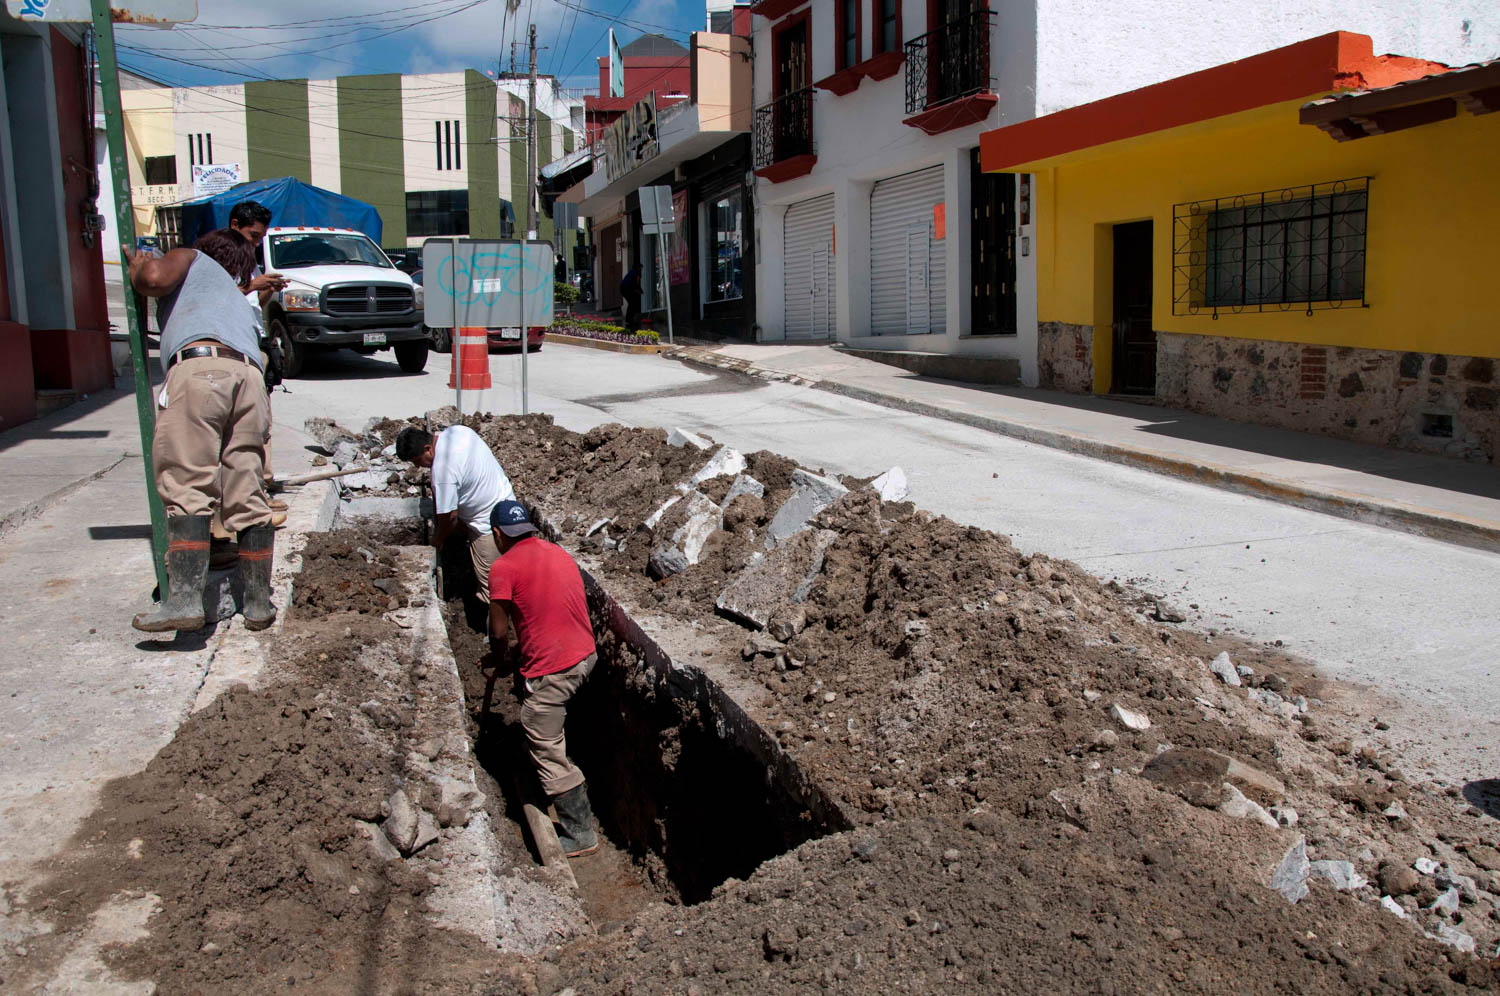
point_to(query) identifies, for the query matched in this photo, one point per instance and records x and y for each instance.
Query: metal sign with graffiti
(631, 139)
(488, 283)
(158, 12)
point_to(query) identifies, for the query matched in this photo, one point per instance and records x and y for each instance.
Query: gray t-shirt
(207, 305)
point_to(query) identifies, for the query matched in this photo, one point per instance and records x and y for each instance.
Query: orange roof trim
(1341, 60)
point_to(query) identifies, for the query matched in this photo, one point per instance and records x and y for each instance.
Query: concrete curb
(604, 344)
(1431, 523)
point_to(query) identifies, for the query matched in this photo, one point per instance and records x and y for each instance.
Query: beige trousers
(209, 447)
(482, 554)
(542, 717)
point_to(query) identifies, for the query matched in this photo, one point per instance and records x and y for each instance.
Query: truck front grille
(353, 300)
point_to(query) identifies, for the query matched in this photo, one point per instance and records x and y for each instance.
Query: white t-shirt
(467, 477)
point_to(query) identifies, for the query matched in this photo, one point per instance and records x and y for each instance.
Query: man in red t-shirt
(537, 592)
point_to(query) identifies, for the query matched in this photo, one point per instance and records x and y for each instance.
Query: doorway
(611, 267)
(1134, 367)
(993, 250)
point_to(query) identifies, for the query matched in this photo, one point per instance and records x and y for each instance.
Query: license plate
(374, 338)
(510, 333)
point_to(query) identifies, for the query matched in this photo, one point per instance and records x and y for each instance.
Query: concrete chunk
(456, 801)
(723, 463)
(681, 438)
(1290, 876)
(1222, 667)
(655, 517)
(327, 433)
(370, 480)
(401, 824)
(380, 845)
(1454, 938)
(811, 493)
(1236, 805)
(785, 575)
(1341, 873)
(743, 485)
(704, 519)
(892, 485)
(1129, 717)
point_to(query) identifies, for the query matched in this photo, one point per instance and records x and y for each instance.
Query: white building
(874, 225)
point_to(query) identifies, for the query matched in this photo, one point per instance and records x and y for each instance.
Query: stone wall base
(1429, 402)
(1065, 357)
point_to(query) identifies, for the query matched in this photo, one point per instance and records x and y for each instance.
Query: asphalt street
(1412, 618)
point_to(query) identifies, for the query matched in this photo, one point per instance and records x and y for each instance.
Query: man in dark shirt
(537, 592)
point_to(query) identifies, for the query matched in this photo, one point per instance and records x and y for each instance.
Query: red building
(654, 64)
(54, 315)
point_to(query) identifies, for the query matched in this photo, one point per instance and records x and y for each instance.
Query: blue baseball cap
(511, 518)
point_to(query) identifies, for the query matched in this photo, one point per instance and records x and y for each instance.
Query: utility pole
(530, 209)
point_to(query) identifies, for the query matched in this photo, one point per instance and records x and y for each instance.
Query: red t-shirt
(548, 607)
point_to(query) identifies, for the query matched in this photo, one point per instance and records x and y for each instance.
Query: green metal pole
(114, 129)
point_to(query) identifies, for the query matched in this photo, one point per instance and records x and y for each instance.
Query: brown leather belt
(194, 352)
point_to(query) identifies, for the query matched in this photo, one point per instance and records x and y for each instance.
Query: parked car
(342, 292)
(502, 340)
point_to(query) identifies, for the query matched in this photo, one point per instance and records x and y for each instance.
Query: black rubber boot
(257, 544)
(577, 818)
(187, 568)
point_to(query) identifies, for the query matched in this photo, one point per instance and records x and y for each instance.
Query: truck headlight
(298, 299)
(420, 298)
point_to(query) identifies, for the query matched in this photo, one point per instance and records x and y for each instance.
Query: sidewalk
(1431, 496)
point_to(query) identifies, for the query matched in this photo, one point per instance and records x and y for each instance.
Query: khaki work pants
(210, 442)
(542, 717)
(482, 554)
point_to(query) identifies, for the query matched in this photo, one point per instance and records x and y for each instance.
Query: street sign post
(656, 219)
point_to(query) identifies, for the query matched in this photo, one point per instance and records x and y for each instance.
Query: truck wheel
(411, 356)
(293, 353)
(442, 340)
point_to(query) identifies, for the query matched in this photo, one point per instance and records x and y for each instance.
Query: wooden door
(1134, 338)
(611, 268)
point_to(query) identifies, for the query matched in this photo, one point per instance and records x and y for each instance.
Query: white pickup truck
(341, 292)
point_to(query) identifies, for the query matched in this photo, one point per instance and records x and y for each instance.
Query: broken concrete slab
(665, 561)
(1390, 905)
(811, 493)
(785, 575)
(723, 463)
(787, 622)
(1290, 876)
(655, 517)
(401, 823)
(380, 845)
(1129, 717)
(370, 480)
(1454, 938)
(1189, 770)
(892, 485)
(1226, 671)
(346, 453)
(1447, 903)
(681, 438)
(744, 484)
(327, 433)
(456, 801)
(704, 519)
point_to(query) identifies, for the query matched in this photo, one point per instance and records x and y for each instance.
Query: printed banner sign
(630, 140)
(215, 178)
(678, 267)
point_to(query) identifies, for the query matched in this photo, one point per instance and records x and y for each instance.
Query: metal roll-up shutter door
(808, 274)
(907, 263)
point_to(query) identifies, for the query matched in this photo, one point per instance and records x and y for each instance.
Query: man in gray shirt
(211, 424)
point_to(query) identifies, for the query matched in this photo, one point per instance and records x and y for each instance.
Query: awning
(1361, 113)
(680, 140)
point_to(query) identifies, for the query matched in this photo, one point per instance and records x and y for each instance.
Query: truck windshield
(325, 248)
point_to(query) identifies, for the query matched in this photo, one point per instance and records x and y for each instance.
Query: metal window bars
(1276, 250)
(950, 62)
(783, 128)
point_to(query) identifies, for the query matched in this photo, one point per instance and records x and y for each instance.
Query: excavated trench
(687, 789)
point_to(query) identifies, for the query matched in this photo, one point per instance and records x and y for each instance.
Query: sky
(235, 40)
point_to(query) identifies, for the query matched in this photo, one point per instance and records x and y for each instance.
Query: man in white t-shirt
(467, 482)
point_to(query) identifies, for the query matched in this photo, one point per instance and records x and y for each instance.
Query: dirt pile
(934, 674)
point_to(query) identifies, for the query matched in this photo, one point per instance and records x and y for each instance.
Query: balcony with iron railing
(948, 81)
(783, 137)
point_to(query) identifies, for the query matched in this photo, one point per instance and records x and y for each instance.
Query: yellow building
(1239, 243)
(151, 143)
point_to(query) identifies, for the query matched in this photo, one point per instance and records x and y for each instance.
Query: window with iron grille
(437, 212)
(1298, 247)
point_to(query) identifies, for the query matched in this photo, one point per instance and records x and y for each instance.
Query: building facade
(437, 154)
(54, 317)
(1239, 243)
(876, 225)
(699, 147)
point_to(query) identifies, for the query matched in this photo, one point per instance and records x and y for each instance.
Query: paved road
(1414, 618)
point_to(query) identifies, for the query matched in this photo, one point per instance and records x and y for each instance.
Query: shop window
(887, 25)
(161, 169)
(1273, 250)
(726, 260)
(437, 212)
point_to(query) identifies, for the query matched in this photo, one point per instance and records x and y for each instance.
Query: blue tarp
(291, 201)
